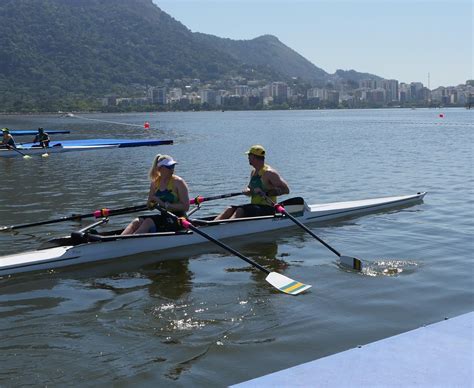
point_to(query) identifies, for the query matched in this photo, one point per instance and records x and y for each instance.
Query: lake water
(209, 319)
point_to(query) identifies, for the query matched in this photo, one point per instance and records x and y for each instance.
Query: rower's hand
(151, 205)
(259, 191)
(160, 203)
(247, 191)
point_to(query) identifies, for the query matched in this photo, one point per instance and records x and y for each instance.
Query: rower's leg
(132, 226)
(239, 213)
(147, 226)
(226, 214)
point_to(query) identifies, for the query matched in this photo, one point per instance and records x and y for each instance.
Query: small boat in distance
(78, 145)
(88, 246)
(33, 132)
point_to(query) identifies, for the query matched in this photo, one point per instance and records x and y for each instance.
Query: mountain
(54, 53)
(267, 50)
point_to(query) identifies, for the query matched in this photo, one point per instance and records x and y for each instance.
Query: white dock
(438, 355)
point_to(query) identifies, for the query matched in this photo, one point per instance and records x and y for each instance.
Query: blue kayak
(33, 132)
(120, 143)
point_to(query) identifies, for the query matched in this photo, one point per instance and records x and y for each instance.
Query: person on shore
(7, 139)
(42, 137)
(167, 190)
(265, 182)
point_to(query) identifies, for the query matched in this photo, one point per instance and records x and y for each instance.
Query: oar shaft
(66, 218)
(281, 209)
(187, 225)
(199, 199)
(280, 282)
(98, 213)
(15, 149)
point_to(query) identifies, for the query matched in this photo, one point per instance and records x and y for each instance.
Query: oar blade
(285, 284)
(351, 262)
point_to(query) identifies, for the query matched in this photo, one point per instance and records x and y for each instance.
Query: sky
(407, 40)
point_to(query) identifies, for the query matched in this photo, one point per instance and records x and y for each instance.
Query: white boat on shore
(87, 246)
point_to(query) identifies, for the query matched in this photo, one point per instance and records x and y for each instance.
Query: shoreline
(225, 110)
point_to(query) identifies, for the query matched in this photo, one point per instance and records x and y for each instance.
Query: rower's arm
(278, 185)
(183, 195)
(151, 193)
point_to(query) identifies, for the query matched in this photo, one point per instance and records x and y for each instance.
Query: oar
(45, 155)
(98, 213)
(279, 281)
(106, 212)
(21, 153)
(348, 261)
(199, 199)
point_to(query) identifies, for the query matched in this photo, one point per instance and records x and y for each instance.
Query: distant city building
(368, 84)
(175, 94)
(242, 90)
(279, 92)
(391, 89)
(157, 95)
(316, 93)
(208, 96)
(238, 93)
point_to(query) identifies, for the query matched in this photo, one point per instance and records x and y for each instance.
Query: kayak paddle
(348, 261)
(279, 281)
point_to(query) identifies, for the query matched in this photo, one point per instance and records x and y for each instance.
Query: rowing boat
(33, 132)
(79, 145)
(121, 143)
(10, 153)
(87, 246)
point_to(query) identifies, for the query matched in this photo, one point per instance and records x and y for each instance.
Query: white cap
(167, 162)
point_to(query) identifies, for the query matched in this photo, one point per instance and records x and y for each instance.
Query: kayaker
(42, 137)
(168, 191)
(7, 140)
(264, 179)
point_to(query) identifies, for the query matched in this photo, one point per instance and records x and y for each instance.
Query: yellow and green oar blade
(285, 284)
(280, 282)
(351, 262)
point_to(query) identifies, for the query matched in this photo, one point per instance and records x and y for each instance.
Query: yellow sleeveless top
(256, 181)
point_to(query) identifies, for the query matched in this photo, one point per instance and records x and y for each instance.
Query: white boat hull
(62, 256)
(6, 153)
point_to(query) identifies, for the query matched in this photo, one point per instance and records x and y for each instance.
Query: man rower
(265, 181)
(42, 137)
(7, 139)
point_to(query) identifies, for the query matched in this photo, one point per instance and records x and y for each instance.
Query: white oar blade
(285, 284)
(351, 262)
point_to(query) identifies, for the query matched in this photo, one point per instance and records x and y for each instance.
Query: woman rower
(167, 190)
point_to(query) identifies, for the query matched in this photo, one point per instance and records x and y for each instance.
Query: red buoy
(146, 125)
(441, 115)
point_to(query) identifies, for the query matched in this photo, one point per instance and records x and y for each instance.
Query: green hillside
(63, 54)
(60, 50)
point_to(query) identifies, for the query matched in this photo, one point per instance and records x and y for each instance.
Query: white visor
(168, 162)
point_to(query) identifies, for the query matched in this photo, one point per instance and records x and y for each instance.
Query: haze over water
(208, 318)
